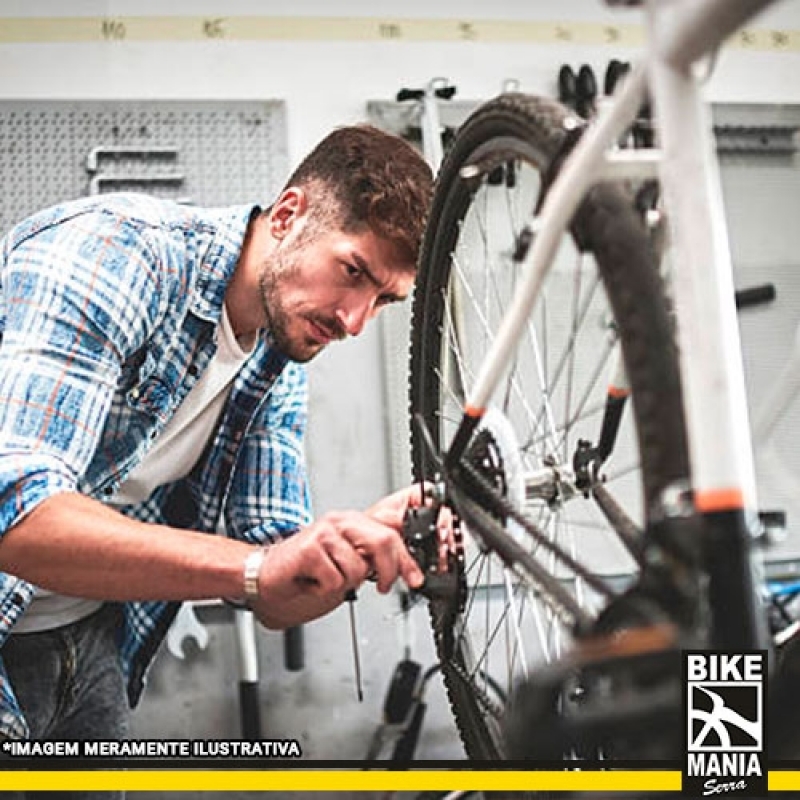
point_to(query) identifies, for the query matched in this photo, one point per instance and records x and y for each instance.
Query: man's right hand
(310, 573)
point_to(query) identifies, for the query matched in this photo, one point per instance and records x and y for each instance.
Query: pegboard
(207, 153)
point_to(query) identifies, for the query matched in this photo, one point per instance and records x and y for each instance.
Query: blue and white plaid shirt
(108, 313)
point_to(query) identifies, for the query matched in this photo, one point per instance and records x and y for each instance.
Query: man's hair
(361, 177)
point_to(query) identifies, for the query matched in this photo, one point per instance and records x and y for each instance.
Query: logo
(725, 727)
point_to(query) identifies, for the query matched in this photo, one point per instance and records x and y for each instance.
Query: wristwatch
(252, 569)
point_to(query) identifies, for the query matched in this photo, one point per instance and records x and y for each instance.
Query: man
(151, 388)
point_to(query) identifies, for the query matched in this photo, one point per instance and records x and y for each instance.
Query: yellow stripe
(783, 781)
(264, 28)
(301, 780)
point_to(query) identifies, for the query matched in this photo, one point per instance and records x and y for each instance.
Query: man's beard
(278, 271)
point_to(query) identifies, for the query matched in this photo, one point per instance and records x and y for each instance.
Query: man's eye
(352, 271)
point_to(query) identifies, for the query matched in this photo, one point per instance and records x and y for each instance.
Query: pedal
(401, 692)
(407, 741)
(399, 728)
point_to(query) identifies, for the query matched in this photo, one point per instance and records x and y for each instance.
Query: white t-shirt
(172, 456)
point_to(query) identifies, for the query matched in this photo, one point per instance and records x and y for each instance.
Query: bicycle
(538, 459)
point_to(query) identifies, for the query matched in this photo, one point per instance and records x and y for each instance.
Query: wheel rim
(553, 396)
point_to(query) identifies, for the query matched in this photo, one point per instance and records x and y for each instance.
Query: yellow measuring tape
(367, 29)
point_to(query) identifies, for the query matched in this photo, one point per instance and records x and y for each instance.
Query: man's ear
(287, 211)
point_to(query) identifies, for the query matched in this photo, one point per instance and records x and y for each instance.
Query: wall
(325, 83)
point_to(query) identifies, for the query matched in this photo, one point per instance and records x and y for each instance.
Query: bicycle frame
(723, 489)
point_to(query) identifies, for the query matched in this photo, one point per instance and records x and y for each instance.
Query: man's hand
(310, 573)
(391, 511)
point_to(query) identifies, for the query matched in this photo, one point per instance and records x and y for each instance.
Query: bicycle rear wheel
(602, 294)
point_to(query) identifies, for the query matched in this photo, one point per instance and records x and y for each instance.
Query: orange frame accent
(719, 500)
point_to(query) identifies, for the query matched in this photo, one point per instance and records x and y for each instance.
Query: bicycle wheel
(598, 297)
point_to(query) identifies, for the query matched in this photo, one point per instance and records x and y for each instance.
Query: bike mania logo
(725, 744)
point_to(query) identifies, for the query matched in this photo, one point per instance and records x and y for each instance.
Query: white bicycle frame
(680, 33)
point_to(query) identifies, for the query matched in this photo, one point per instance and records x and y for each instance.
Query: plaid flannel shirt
(108, 313)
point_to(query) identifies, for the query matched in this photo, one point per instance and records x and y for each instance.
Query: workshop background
(224, 108)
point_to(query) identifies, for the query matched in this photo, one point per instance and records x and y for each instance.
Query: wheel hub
(496, 455)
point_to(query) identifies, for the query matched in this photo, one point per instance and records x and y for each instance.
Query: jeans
(70, 686)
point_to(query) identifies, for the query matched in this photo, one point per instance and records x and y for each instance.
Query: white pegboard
(209, 153)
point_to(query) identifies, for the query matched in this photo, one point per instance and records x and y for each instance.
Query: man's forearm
(76, 546)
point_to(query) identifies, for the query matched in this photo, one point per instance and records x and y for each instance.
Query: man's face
(318, 289)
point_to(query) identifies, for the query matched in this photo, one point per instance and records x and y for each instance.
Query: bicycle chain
(443, 629)
(500, 509)
(479, 694)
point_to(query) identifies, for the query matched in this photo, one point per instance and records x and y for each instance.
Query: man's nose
(353, 316)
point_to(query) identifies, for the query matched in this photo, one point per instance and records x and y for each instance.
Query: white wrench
(186, 626)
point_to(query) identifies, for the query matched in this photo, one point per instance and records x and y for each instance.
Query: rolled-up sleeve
(78, 295)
